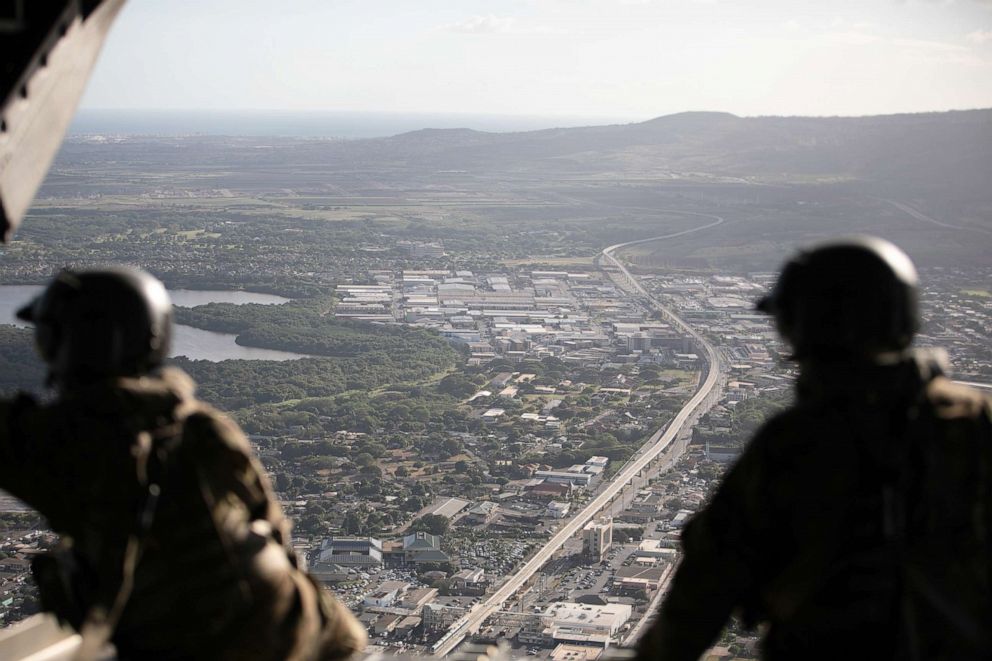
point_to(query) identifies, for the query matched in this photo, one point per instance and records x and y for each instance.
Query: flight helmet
(853, 298)
(91, 324)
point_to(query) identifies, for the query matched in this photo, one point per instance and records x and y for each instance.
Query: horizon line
(537, 115)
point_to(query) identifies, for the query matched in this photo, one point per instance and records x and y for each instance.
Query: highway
(659, 442)
(918, 215)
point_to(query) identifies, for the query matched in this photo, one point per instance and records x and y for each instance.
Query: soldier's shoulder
(206, 428)
(954, 401)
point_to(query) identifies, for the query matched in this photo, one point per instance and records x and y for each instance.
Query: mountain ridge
(949, 150)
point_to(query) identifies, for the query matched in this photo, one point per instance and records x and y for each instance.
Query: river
(186, 341)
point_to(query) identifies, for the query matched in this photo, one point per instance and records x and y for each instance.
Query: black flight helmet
(98, 323)
(853, 298)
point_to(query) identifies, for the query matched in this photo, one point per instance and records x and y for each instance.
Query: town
(564, 374)
(492, 430)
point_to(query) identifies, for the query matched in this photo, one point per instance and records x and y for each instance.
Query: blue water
(306, 124)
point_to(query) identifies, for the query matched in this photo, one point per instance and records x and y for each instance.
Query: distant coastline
(306, 124)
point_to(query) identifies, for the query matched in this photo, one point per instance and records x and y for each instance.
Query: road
(658, 443)
(919, 215)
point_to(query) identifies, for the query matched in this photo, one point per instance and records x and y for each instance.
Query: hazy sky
(615, 58)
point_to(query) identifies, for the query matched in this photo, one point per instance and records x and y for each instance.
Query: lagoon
(187, 341)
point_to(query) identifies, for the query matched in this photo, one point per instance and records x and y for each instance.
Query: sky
(626, 59)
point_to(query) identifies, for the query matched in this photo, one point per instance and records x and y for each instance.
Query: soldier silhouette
(857, 523)
(173, 545)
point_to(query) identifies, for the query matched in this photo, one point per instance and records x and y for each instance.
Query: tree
(353, 523)
(371, 486)
(375, 449)
(456, 385)
(450, 447)
(435, 524)
(624, 535)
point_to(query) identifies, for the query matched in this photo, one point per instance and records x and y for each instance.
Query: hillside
(949, 151)
(920, 179)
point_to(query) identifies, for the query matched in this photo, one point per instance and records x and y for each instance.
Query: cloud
(928, 45)
(941, 52)
(491, 24)
(855, 37)
(482, 25)
(922, 49)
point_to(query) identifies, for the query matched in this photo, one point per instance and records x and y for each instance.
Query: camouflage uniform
(856, 523)
(214, 576)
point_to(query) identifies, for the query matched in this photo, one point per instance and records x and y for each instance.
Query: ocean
(307, 124)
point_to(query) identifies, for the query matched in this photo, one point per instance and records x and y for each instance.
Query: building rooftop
(448, 507)
(570, 614)
(421, 541)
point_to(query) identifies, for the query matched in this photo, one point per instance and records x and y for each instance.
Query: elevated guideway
(659, 442)
(41, 637)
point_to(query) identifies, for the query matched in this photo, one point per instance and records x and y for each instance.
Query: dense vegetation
(306, 327)
(743, 421)
(346, 355)
(400, 410)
